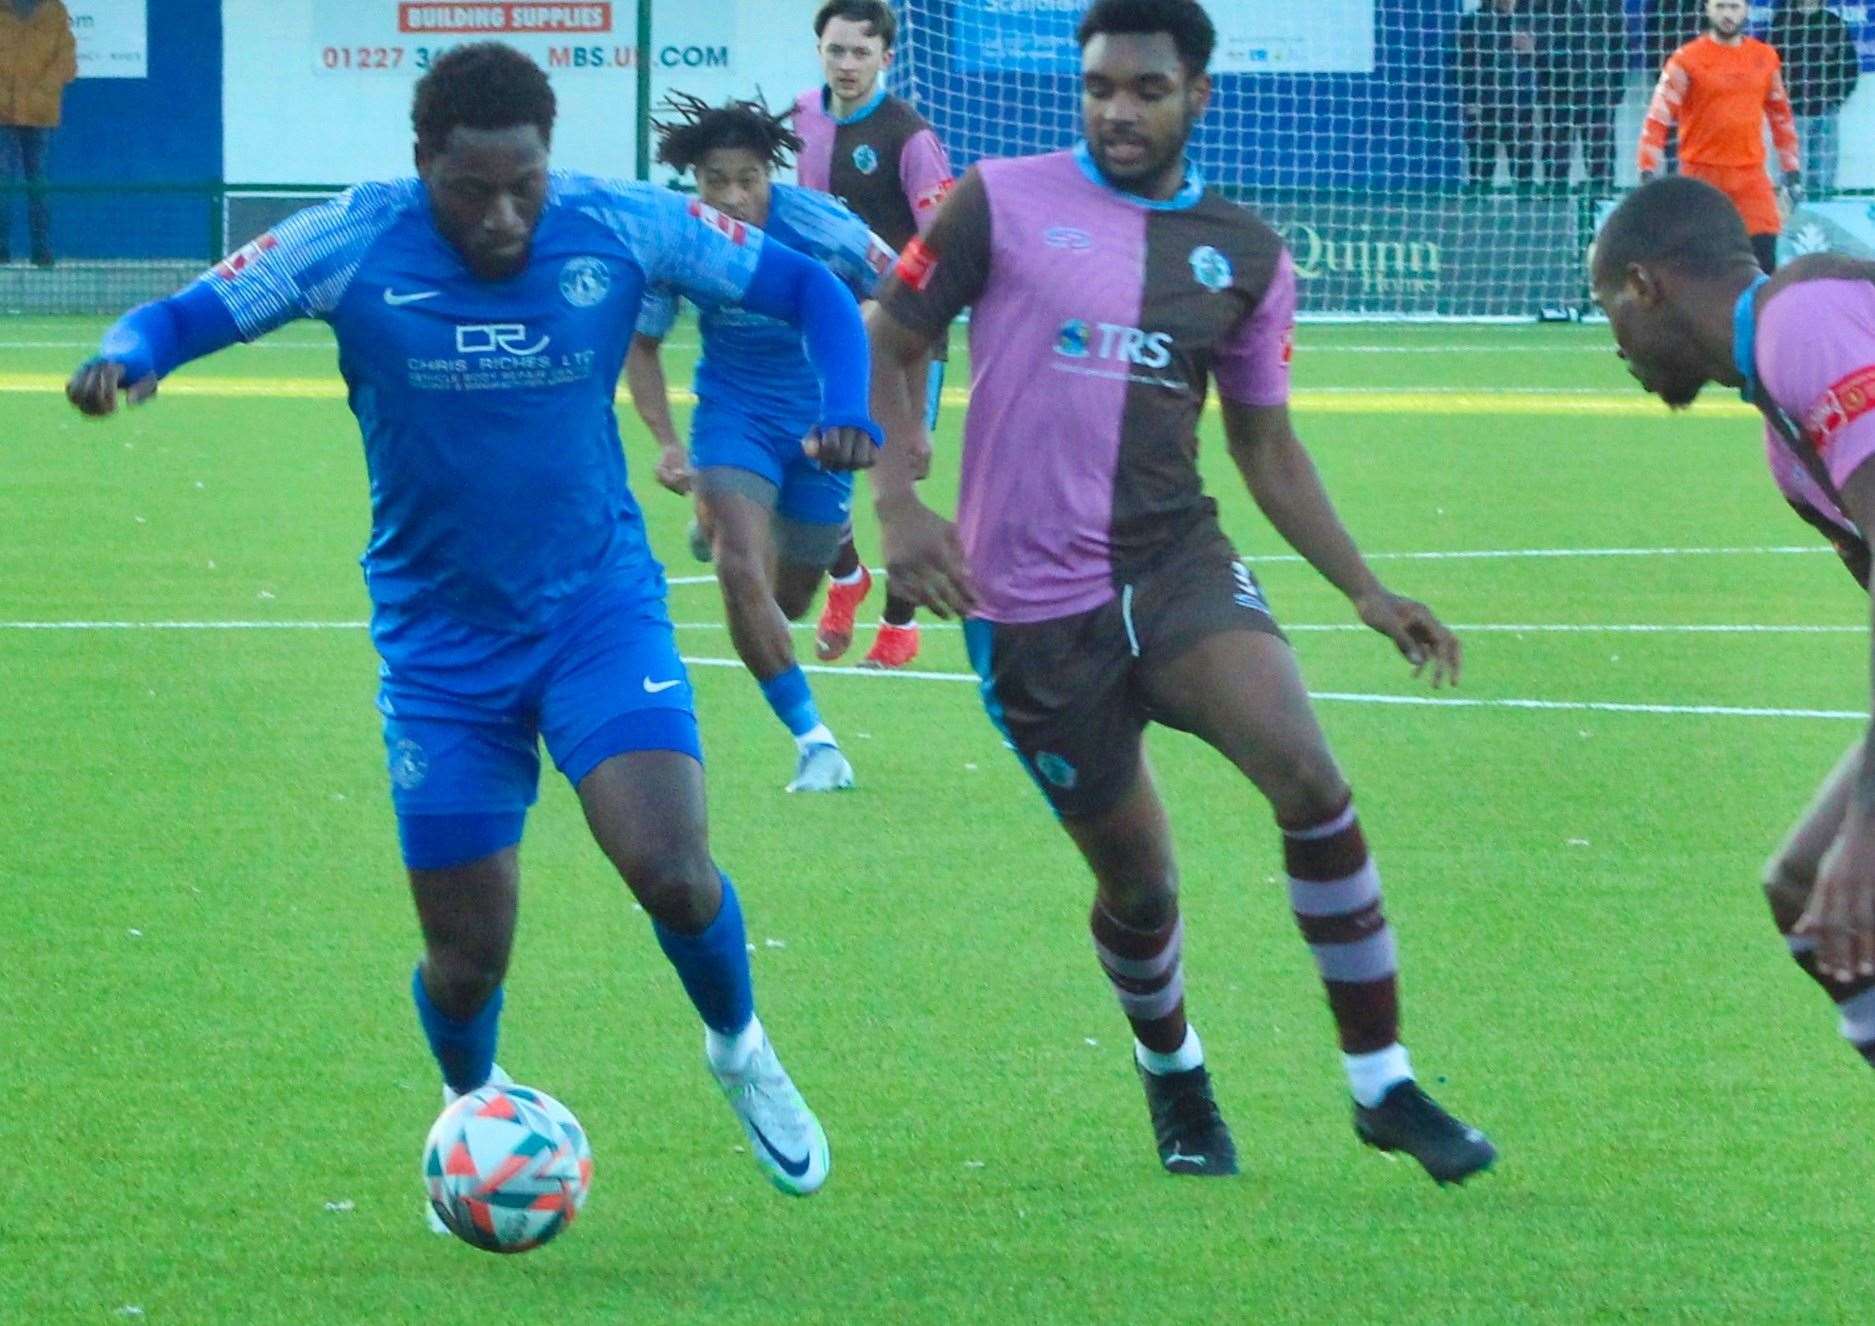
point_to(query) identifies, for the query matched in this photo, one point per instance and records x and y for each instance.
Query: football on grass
(507, 1168)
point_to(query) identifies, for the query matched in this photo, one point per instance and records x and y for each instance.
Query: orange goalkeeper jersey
(1720, 96)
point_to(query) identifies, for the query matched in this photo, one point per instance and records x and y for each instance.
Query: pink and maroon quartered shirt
(883, 161)
(1810, 362)
(1098, 319)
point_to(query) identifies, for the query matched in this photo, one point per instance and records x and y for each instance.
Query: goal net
(1422, 158)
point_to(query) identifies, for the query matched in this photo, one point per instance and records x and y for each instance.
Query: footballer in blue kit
(483, 311)
(775, 518)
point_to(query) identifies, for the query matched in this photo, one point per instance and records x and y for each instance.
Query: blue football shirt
(757, 363)
(498, 487)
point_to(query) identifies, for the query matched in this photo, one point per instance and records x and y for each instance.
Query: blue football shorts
(770, 448)
(465, 708)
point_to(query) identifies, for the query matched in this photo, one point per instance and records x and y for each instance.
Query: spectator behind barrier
(1821, 68)
(1581, 65)
(37, 59)
(1494, 73)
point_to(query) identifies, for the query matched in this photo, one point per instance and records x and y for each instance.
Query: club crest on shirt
(865, 160)
(1210, 269)
(585, 282)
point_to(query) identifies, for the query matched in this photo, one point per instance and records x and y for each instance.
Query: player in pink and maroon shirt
(876, 154)
(1109, 286)
(1674, 270)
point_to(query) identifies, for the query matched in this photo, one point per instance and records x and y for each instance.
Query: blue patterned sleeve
(657, 313)
(302, 267)
(833, 234)
(860, 259)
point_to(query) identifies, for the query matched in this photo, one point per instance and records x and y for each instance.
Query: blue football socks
(788, 695)
(464, 1047)
(714, 966)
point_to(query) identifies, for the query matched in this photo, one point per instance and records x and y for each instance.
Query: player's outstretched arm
(803, 293)
(1283, 481)
(923, 554)
(146, 345)
(1841, 914)
(644, 378)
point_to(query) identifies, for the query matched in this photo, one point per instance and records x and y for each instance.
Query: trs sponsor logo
(1111, 341)
(507, 338)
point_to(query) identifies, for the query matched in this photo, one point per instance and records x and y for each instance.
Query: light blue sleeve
(657, 313)
(680, 243)
(832, 233)
(303, 266)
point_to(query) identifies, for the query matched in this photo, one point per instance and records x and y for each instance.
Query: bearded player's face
(487, 188)
(1139, 105)
(1726, 16)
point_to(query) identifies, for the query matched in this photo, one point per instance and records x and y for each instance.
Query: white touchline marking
(1325, 348)
(1485, 554)
(1496, 554)
(105, 625)
(903, 674)
(1430, 701)
(1474, 628)
(1308, 347)
(328, 344)
(1479, 628)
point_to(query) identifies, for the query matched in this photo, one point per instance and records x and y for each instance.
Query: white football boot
(823, 767)
(786, 1139)
(495, 1077)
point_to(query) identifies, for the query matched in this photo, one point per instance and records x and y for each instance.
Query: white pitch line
(1471, 628)
(1499, 554)
(1593, 706)
(105, 625)
(1305, 347)
(1425, 701)
(1302, 347)
(1482, 554)
(902, 674)
(251, 345)
(1480, 628)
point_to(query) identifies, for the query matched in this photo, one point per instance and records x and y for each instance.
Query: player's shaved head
(1184, 21)
(1676, 222)
(1666, 269)
(483, 85)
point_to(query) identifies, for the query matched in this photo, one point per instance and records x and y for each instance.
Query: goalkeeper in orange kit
(1720, 88)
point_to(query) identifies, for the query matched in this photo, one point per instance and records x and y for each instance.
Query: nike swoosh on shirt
(653, 687)
(392, 298)
(794, 1169)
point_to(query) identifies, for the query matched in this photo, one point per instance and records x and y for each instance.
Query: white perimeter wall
(290, 118)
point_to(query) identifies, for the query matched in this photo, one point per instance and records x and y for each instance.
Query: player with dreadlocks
(775, 517)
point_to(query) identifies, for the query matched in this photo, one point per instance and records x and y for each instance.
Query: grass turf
(207, 941)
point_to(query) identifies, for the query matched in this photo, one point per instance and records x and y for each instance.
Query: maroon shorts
(1067, 692)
